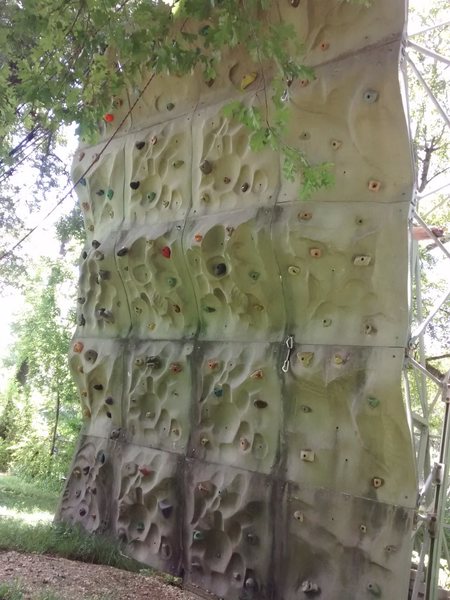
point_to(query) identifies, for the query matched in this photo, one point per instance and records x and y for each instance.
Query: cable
(69, 192)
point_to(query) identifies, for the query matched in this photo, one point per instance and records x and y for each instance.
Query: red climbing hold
(166, 252)
(145, 471)
(109, 118)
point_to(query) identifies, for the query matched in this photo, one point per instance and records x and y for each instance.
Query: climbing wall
(239, 351)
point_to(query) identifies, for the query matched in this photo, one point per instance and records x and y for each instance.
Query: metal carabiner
(290, 345)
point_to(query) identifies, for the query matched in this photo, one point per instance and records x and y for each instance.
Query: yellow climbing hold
(248, 79)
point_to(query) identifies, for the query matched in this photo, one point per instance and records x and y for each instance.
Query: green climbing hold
(198, 536)
(209, 309)
(151, 196)
(172, 281)
(177, 164)
(218, 391)
(110, 194)
(373, 402)
(100, 192)
(254, 275)
(82, 181)
(170, 106)
(374, 589)
(204, 30)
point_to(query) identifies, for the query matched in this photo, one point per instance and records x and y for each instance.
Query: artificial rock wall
(199, 450)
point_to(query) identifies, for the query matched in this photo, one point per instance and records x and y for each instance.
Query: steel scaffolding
(426, 392)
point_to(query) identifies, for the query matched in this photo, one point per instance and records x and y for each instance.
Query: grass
(26, 514)
(14, 591)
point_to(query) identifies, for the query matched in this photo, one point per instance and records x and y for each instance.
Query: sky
(43, 242)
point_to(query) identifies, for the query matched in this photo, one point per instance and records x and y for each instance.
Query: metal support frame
(424, 391)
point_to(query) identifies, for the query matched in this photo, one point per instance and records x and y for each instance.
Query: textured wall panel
(238, 351)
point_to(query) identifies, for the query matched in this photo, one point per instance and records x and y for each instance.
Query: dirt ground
(71, 580)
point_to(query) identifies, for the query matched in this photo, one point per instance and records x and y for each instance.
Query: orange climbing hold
(145, 471)
(166, 252)
(176, 367)
(78, 347)
(109, 118)
(198, 237)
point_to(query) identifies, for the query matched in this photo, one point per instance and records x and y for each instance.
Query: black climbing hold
(206, 167)
(260, 403)
(140, 145)
(166, 508)
(109, 415)
(81, 300)
(170, 106)
(104, 274)
(220, 269)
(153, 361)
(209, 309)
(109, 400)
(100, 192)
(244, 187)
(81, 321)
(295, 3)
(86, 470)
(122, 252)
(82, 512)
(98, 387)
(84, 255)
(95, 244)
(101, 457)
(135, 184)
(77, 493)
(115, 434)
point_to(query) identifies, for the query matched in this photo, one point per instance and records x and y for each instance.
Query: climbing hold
(205, 198)
(336, 144)
(106, 315)
(244, 444)
(254, 275)
(370, 96)
(151, 196)
(229, 230)
(78, 347)
(369, 329)
(81, 300)
(176, 308)
(373, 402)
(237, 576)
(244, 187)
(109, 118)
(171, 281)
(309, 587)
(151, 326)
(176, 367)
(258, 307)
(213, 364)
(115, 434)
(251, 538)
(177, 164)
(305, 409)
(102, 274)
(140, 527)
(134, 185)
(315, 252)
(166, 252)
(218, 391)
(101, 457)
(81, 156)
(165, 507)
(100, 192)
(77, 472)
(122, 251)
(324, 46)
(198, 237)
(198, 536)
(340, 359)
(206, 488)
(83, 511)
(326, 322)
(86, 412)
(84, 255)
(153, 140)
(204, 30)
(204, 441)
(250, 583)
(95, 244)
(226, 180)
(90, 356)
(293, 270)
(377, 482)
(304, 82)
(298, 516)
(374, 185)
(109, 401)
(140, 145)
(110, 194)
(85, 206)
(258, 403)
(247, 80)
(170, 106)
(258, 374)
(153, 361)
(209, 309)
(374, 589)
(363, 528)
(294, 3)
(219, 270)
(145, 471)
(305, 358)
(206, 167)
(150, 415)
(98, 387)
(108, 414)
(82, 181)
(98, 255)
(362, 261)
(117, 102)
(307, 455)
(86, 470)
